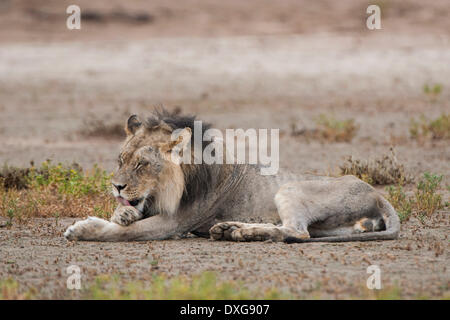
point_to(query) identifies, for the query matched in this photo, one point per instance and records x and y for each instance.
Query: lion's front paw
(88, 229)
(126, 215)
(224, 230)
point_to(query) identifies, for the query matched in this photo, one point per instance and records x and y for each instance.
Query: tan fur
(167, 187)
(160, 198)
(170, 188)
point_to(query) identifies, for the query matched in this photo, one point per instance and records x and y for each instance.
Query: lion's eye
(119, 162)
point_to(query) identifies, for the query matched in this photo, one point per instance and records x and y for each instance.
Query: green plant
(55, 190)
(432, 91)
(200, 287)
(69, 180)
(423, 204)
(336, 130)
(10, 214)
(9, 206)
(427, 201)
(11, 290)
(436, 129)
(390, 292)
(399, 200)
(328, 128)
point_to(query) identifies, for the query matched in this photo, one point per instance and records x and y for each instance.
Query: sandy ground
(238, 67)
(36, 255)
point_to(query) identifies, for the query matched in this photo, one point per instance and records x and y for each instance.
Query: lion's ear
(133, 124)
(180, 140)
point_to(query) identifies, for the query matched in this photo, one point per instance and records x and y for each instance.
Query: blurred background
(313, 69)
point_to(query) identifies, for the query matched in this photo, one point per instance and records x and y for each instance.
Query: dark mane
(199, 179)
(175, 120)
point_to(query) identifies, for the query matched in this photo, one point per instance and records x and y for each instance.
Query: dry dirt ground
(237, 65)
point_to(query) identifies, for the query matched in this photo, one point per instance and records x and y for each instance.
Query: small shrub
(425, 201)
(12, 177)
(335, 130)
(432, 91)
(399, 200)
(382, 171)
(328, 128)
(437, 129)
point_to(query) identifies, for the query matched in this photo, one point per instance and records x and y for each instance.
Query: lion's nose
(119, 186)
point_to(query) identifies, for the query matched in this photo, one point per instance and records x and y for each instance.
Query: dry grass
(423, 204)
(55, 191)
(14, 178)
(437, 129)
(382, 171)
(19, 205)
(99, 128)
(328, 129)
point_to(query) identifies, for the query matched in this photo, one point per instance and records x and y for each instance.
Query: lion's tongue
(123, 201)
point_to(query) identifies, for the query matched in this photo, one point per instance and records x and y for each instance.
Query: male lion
(160, 198)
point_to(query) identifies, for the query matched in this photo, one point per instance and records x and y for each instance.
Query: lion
(159, 198)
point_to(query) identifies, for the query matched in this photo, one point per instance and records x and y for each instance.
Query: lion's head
(146, 177)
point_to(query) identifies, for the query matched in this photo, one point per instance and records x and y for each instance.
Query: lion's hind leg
(294, 224)
(238, 231)
(339, 209)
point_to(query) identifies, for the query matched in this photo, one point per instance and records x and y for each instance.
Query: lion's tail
(391, 221)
